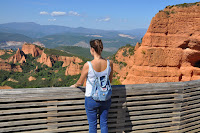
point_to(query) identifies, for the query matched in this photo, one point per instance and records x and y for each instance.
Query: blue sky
(96, 14)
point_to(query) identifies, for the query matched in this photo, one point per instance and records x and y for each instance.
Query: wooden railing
(139, 108)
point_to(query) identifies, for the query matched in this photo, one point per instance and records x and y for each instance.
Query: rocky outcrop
(2, 52)
(59, 79)
(45, 60)
(5, 87)
(1, 60)
(137, 46)
(31, 78)
(67, 60)
(32, 49)
(7, 67)
(18, 57)
(72, 63)
(17, 68)
(123, 61)
(12, 80)
(50, 59)
(170, 50)
(73, 69)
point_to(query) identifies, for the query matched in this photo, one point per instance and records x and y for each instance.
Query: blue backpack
(101, 88)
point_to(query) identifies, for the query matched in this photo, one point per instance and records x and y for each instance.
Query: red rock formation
(73, 69)
(12, 80)
(23, 59)
(67, 60)
(1, 60)
(45, 60)
(59, 79)
(2, 52)
(31, 49)
(49, 60)
(122, 64)
(7, 67)
(5, 87)
(170, 50)
(17, 68)
(31, 78)
(18, 57)
(137, 46)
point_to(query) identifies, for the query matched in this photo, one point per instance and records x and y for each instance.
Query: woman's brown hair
(97, 45)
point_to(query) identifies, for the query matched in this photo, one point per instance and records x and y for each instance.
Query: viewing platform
(140, 108)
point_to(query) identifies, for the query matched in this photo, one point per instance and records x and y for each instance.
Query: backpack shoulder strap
(90, 64)
(108, 65)
(90, 67)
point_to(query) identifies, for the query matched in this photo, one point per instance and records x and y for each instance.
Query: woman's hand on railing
(75, 86)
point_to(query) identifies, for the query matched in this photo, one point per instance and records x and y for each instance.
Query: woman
(100, 67)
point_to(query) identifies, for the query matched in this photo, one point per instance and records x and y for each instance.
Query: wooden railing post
(52, 115)
(176, 119)
(121, 114)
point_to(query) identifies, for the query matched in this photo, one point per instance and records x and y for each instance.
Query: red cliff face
(170, 50)
(18, 57)
(73, 69)
(137, 46)
(122, 63)
(5, 87)
(72, 63)
(45, 60)
(5, 66)
(8, 67)
(49, 60)
(2, 52)
(31, 49)
(67, 60)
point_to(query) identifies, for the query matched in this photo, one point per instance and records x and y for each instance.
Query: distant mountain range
(53, 35)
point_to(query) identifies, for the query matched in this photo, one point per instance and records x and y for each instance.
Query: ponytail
(97, 45)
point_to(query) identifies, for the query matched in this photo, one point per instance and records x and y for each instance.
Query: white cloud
(52, 19)
(103, 19)
(44, 13)
(59, 13)
(55, 13)
(73, 13)
(106, 19)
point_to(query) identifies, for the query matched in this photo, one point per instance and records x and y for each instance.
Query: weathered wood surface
(141, 108)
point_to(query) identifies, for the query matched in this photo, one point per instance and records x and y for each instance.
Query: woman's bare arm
(84, 73)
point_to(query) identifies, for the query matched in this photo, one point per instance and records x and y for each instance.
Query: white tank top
(91, 76)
